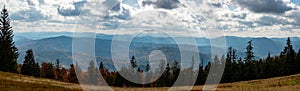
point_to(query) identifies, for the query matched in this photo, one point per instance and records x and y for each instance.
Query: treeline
(236, 69)
(47, 70)
(286, 63)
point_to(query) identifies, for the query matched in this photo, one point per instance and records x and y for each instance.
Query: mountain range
(49, 46)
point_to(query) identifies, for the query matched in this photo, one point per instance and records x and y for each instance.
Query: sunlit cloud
(268, 18)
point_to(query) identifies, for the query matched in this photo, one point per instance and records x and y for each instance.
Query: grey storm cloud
(165, 4)
(265, 6)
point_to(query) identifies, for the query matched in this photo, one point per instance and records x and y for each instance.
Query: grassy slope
(286, 83)
(17, 82)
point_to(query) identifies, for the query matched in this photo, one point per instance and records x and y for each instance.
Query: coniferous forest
(236, 69)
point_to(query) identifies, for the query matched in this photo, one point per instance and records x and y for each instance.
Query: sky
(197, 18)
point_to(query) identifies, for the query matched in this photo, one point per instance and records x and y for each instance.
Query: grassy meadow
(17, 82)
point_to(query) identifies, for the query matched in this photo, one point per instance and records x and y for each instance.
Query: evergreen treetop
(8, 50)
(249, 53)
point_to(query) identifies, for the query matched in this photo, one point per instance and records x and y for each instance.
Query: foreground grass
(17, 82)
(286, 83)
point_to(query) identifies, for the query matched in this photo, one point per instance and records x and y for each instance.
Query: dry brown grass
(286, 83)
(17, 82)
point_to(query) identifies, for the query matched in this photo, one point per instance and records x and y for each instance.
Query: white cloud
(196, 16)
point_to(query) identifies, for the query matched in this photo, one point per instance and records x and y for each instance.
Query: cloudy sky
(199, 18)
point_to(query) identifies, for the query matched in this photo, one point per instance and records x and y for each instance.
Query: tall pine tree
(92, 74)
(29, 66)
(249, 53)
(133, 62)
(201, 74)
(289, 54)
(229, 73)
(249, 59)
(58, 75)
(101, 67)
(8, 50)
(147, 68)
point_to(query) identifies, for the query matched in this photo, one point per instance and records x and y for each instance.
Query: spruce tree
(78, 71)
(147, 68)
(37, 70)
(29, 66)
(298, 61)
(8, 50)
(249, 60)
(101, 67)
(133, 62)
(231, 55)
(288, 49)
(268, 57)
(167, 75)
(229, 73)
(298, 54)
(200, 77)
(175, 71)
(104, 73)
(58, 75)
(249, 53)
(289, 54)
(92, 77)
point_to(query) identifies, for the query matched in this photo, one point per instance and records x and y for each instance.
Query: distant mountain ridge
(59, 46)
